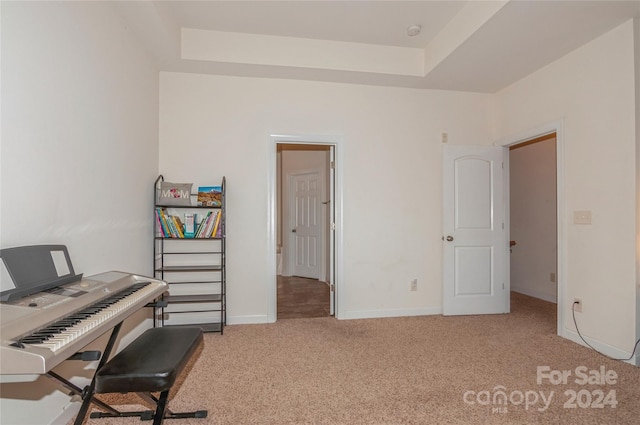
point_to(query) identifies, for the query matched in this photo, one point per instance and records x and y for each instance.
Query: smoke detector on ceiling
(413, 30)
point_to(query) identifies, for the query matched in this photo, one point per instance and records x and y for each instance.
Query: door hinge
(333, 226)
(332, 287)
(333, 165)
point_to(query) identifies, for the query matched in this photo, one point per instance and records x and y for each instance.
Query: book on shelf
(161, 226)
(209, 196)
(177, 225)
(189, 225)
(169, 226)
(218, 232)
(207, 226)
(211, 222)
(173, 233)
(216, 226)
(202, 225)
(164, 227)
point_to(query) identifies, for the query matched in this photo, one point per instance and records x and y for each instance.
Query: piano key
(58, 339)
(89, 312)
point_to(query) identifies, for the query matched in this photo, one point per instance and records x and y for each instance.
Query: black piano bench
(150, 364)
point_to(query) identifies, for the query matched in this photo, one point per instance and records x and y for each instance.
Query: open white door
(332, 232)
(476, 233)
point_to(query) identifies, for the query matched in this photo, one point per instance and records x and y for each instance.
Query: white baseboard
(602, 347)
(248, 320)
(362, 314)
(552, 298)
(398, 312)
(69, 412)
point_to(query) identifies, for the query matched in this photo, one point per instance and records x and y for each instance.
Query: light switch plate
(582, 217)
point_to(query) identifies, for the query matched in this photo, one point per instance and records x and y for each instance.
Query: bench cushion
(151, 363)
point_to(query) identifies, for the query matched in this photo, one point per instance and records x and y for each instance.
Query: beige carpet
(413, 370)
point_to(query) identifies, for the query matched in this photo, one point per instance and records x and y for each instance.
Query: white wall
(79, 126)
(213, 125)
(79, 153)
(532, 184)
(591, 92)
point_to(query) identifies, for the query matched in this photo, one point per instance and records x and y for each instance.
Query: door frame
(303, 139)
(561, 221)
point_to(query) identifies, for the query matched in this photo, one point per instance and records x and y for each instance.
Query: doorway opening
(303, 218)
(302, 297)
(534, 229)
(305, 227)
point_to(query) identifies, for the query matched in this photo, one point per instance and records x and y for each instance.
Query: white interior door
(306, 225)
(476, 232)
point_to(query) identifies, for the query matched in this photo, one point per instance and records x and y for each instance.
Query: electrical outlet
(582, 217)
(577, 305)
(552, 277)
(414, 284)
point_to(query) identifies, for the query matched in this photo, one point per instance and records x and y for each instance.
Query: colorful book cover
(189, 225)
(210, 196)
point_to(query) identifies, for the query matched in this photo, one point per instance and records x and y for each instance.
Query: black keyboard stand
(87, 392)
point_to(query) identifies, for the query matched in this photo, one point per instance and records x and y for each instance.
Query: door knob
(449, 238)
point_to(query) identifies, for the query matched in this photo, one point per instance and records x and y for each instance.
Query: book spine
(219, 230)
(212, 223)
(207, 229)
(163, 221)
(159, 229)
(214, 232)
(199, 227)
(181, 224)
(202, 225)
(169, 223)
(177, 224)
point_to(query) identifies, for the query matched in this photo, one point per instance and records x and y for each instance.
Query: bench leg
(161, 412)
(160, 408)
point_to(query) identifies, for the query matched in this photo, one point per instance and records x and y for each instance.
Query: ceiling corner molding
(472, 17)
(256, 49)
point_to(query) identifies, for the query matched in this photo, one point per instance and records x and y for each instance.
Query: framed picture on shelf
(210, 196)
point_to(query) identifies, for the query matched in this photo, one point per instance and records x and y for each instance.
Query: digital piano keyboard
(39, 331)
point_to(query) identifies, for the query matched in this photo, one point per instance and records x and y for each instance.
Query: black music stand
(36, 268)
